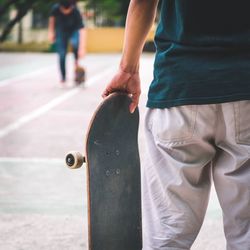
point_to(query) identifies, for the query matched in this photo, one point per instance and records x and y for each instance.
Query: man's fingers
(105, 93)
(135, 102)
(109, 90)
(133, 107)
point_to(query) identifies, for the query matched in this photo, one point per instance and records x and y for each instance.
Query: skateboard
(80, 75)
(113, 176)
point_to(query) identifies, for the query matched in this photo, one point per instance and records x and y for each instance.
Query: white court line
(15, 160)
(55, 102)
(14, 79)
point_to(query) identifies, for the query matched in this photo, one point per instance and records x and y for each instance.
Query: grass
(26, 47)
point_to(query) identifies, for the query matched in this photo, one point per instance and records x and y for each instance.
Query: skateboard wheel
(74, 160)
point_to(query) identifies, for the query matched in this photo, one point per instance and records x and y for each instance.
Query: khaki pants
(188, 147)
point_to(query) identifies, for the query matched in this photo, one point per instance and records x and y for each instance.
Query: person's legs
(62, 44)
(176, 180)
(74, 41)
(231, 173)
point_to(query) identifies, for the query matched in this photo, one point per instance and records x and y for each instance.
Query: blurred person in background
(197, 124)
(66, 26)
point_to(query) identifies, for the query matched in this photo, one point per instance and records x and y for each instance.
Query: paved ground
(42, 203)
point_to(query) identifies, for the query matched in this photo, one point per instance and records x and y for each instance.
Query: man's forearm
(51, 24)
(51, 29)
(140, 18)
(82, 43)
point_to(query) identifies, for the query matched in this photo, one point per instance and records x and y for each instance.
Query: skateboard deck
(113, 176)
(80, 75)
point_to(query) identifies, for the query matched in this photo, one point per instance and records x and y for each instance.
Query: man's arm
(51, 29)
(140, 17)
(82, 43)
(82, 34)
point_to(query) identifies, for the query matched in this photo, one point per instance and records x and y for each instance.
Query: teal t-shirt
(203, 53)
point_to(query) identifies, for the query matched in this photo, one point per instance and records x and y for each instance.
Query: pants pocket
(174, 125)
(242, 122)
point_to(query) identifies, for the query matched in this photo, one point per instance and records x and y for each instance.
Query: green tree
(111, 12)
(22, 7)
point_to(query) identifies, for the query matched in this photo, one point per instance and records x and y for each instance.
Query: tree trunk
(6, 6)
(22, 10)
(20, 32)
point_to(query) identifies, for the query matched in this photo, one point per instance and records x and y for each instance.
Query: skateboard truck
(74, 159)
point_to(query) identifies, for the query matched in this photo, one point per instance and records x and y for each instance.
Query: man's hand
(81, 52)
(51, 37)
(128, 83)
(140, 17)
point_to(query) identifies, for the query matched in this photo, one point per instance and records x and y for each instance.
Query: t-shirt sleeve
(54, 10)
(80, 23)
